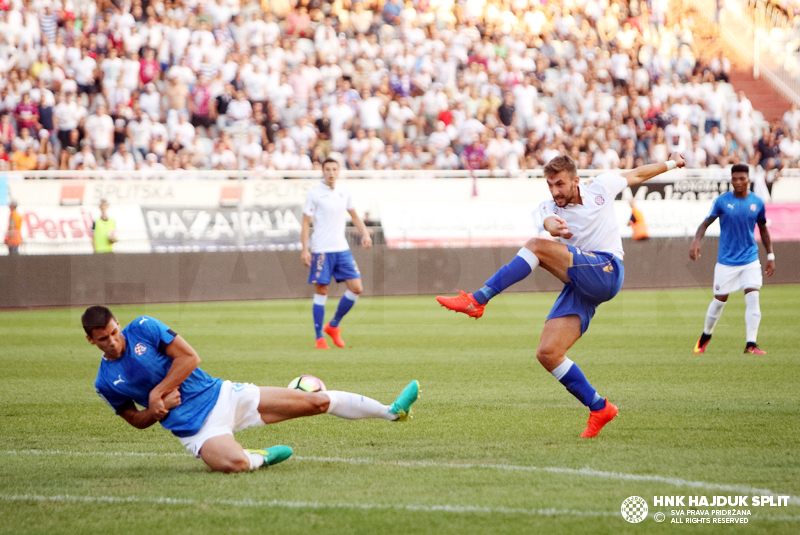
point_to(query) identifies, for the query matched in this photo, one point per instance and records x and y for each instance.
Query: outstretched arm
(646, 172)
(769, 269)
(694, 251)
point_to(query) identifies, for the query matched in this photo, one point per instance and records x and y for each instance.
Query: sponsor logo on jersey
(730, 206)
(599, 200)
(140, 349)
(752, 207)
(142, 320)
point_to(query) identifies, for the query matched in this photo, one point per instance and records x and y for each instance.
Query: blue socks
(318, 311)
(483, 295)
(520, 267)
(345, 304)
(575, 382)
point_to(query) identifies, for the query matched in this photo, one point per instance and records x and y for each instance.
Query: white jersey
(328, 209)
(594, 223)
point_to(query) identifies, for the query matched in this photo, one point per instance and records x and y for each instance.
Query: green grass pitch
(493, 446)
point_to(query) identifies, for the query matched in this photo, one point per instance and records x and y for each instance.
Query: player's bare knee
(322, 289)
(723, 298)
(535, 245)
(357, 288)
(547, 357)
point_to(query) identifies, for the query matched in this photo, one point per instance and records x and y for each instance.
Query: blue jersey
(737, 220)
(143, 365)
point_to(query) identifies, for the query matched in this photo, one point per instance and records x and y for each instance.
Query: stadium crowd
(426, 84)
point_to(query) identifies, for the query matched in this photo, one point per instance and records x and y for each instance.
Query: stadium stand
(429, 84)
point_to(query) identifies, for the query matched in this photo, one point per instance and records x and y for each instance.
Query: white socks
(320, 299)
(713, 314)
(256, 460)
(752, 315)
(529, 257)
(356, 407)
(562, 369)
(351, 296)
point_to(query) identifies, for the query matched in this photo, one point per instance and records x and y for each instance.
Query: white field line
(453, 509)
(456, 509)
(583, 472)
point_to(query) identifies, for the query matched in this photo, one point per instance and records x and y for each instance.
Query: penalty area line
(581, 472)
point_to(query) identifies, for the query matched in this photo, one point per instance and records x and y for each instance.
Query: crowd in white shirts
(426, 84)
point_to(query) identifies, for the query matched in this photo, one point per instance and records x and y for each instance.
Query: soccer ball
(307, 383)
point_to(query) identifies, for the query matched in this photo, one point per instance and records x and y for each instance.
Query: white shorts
(236, 409)
(729, 279)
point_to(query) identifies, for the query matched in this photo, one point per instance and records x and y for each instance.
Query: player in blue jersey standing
(588, 262)
(738, 268)
(327, 206)
(149, 365)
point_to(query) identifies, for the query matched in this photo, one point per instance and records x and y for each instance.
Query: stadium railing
(705, 173)
(756, 46)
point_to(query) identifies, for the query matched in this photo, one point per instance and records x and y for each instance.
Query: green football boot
(274, 455)
(402, 405)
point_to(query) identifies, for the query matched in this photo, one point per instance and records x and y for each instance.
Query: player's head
(103, 330)
(740, 179)
(562, 179)
(330, 171)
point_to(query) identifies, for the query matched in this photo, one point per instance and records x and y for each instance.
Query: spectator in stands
(713, 142)
(24, 159)
(767, 151)
(99, 129)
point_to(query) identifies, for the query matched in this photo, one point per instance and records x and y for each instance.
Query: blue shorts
(341, 266)
(594, 279)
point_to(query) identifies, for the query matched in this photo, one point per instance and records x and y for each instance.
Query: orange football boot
(597, 419)
(335, 333)
(463, 303)
(322, 344)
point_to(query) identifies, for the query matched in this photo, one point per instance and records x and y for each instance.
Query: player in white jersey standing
(329, 255)
(588, 262)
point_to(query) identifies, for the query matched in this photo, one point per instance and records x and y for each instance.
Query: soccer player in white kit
(737, 266)
(588, 262)
(329, 255)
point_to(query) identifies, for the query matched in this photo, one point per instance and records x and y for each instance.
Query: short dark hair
(96, 317)
(560, 163)
(331, 159)
(740, 168)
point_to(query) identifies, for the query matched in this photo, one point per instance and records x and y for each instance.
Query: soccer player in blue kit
(738, 268)
(588, 262)
(149, 365)
(327, 206)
